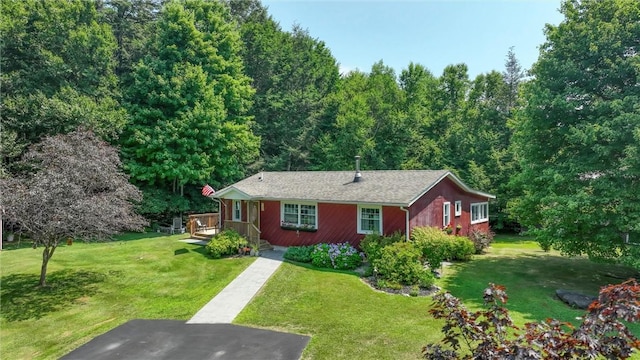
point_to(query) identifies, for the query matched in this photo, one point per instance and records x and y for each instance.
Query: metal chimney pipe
(358, 176)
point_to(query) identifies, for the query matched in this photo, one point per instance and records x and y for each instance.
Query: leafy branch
(491, 333)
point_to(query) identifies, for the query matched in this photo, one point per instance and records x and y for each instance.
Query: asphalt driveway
(172, 339)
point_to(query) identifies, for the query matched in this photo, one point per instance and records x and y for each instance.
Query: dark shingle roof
(392, 187)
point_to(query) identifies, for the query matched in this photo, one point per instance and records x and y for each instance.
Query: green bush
(426, 279)
(320, 256)
(481, 240)
(433, 245)
(341, 256)
(400, 263)
(461, 249)
(225, 243)
(382, 283)
(299, 253)
(372, 244)
(436, 246)
(368, 271)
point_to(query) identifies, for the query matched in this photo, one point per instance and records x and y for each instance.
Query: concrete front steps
(265, 245)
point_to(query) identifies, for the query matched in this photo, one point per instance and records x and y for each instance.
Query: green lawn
(96, 287)
(531, 277)
(348, 320)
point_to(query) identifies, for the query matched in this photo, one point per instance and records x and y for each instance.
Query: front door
(254, 215)
(253, 220)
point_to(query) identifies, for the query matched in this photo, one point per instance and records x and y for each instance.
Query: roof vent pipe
(358, 176)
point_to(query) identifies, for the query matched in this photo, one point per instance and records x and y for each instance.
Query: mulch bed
(405, 290)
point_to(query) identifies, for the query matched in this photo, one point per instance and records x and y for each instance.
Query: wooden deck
(205, 234)
(211, 227)
(203, 226)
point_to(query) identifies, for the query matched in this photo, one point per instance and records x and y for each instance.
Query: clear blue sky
(434, 33)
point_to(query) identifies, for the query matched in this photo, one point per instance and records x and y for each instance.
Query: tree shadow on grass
(21, 298)
(201, 250)
(532, 279)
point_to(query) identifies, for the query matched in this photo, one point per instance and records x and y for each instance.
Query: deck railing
(209, 221)
(246, 229)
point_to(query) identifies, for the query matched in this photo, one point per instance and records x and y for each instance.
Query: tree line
(201, 92)
(197, 92)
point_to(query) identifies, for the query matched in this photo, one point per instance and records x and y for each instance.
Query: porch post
(220, 202)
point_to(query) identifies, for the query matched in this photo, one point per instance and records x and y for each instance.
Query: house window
(446, 214)
(237, 210)
(479, 212)
(458, 208)
(369, 219)
(299, 215)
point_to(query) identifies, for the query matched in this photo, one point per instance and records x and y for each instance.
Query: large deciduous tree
(132, 23)
(577, 137)
(57, 73)
(189, 103)
(74, 190)
(369, 122)
(293, 74)
(420, 86)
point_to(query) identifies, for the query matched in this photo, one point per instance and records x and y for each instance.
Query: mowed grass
(531, 277)
(344, 316)
(348, 320)
(95, 287)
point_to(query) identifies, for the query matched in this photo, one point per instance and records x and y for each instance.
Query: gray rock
(574, 299)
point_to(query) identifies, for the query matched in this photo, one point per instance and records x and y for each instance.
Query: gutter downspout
(406, 228)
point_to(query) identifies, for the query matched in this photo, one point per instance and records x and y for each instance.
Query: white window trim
(458, 208)
(283, 203)
(480, 219)
(446, 213)
(360, 207)
(233, 210)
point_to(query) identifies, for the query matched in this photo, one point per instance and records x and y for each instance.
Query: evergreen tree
(350, 134)
(449, 129)
(513, 76)
(578, 135)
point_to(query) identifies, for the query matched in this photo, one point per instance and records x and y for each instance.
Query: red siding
(336, 223)
(427, 211)
(393, 219)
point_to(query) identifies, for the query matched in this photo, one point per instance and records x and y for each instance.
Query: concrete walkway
(225, 306)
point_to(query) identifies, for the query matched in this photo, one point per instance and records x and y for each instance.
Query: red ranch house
(310, 207)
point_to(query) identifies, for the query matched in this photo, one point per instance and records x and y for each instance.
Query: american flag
(207, 191)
